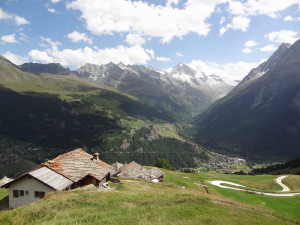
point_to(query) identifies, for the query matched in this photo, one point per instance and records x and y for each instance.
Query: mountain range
(183, 90)
(52, 113)
(260, 117)
(133, 112)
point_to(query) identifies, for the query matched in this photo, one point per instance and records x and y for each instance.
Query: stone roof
(155, 173)
(66, 169)
(117, 165)
(77, 164)
(135, 170)
(51, 178)
(5, 180)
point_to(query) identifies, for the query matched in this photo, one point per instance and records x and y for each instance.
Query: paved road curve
(220, 183)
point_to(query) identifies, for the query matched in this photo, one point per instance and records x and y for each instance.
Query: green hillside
(55, 114)
(290, 167)
(181, 199)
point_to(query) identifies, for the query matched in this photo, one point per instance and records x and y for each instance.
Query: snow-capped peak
(183, 69)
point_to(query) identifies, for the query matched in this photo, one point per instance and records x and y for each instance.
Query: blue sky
(225, 37)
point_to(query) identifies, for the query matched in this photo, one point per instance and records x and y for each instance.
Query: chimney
(96, 156)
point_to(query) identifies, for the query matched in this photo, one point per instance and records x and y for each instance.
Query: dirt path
(238, 187)
(284, 187)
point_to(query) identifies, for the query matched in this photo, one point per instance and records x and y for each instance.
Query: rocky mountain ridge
(183, 89)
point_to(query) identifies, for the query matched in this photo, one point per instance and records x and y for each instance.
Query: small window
(42, 194)
(26, 192)
(39, 194)
(21, 193)
(15, 193)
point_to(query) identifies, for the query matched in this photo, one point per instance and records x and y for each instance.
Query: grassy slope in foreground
(179, 200)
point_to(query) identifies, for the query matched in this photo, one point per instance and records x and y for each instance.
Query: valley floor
(184, 198)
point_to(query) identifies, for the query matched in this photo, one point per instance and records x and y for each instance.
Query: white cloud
(16, 59)
(269, 7)
(51, 10)
(55, 1)
(78, 57)
(222, 31)
(286, 36)
(268, 48)
(237, 8)
(228, 71)
(246, 50)
(151, 53)
(135, 39)
(222, 20)
(23, 37)
(41, 56)
(171, 2)
(18, 20)
(75, 36)
(48, 43)
(163, 59)
(237, 23)
(260, 7)
(169, 21)
(178, 54)
(107, 17)
(289, 18)
(9, 38)
(250, 44)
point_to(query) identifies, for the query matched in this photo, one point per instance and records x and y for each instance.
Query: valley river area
(239, 187)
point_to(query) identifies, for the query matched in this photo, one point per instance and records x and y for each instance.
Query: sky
(224, 37)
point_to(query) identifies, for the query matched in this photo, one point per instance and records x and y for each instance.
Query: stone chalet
(67, 171)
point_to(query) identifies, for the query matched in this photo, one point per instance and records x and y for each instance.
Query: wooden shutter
(16, 193)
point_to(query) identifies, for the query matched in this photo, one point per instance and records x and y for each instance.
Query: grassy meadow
(181, 199)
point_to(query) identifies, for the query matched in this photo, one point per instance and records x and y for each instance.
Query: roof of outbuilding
(51, 178)
(77, 164)
(117, 165)
(133, 170)
(155, 172)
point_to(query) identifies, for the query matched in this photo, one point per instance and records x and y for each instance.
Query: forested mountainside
(43, 114)
(260, 118)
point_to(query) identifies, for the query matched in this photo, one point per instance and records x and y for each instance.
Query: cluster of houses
(69, 171)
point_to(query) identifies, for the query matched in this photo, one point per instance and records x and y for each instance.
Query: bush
(163, 163)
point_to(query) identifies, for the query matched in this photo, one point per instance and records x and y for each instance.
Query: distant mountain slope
(290, 167)
(37, 68)
(212, 85)
(180, 91)
(260, 118)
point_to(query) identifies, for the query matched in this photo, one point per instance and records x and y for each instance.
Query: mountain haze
(260, 118)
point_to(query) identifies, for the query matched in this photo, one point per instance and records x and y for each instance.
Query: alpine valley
(133, 112)
(260, 117)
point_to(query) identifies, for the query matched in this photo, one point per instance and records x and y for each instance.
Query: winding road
(238, 187)
(284, 187)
